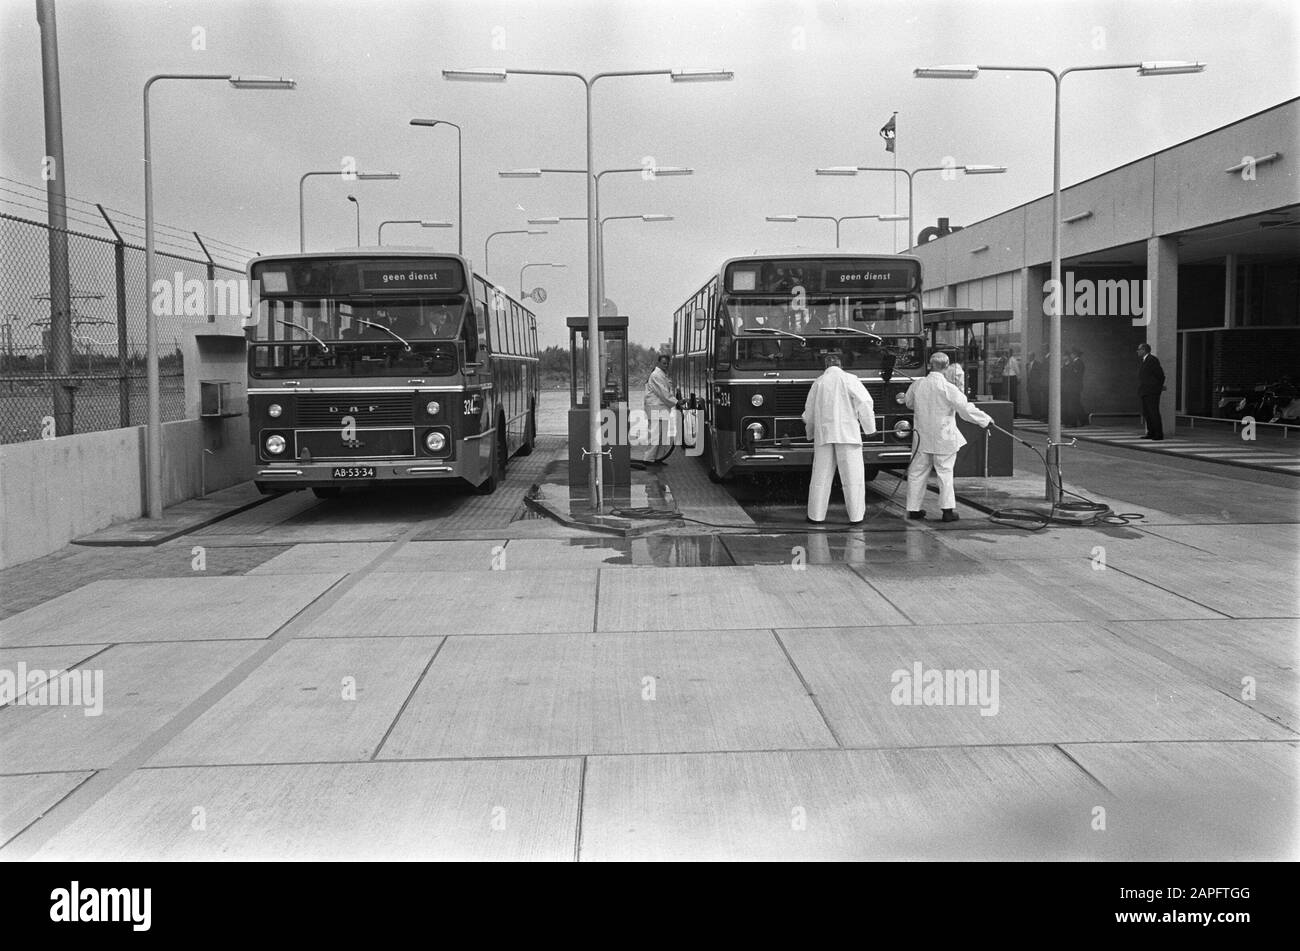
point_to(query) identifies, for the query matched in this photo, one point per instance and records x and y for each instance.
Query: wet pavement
(448, 675)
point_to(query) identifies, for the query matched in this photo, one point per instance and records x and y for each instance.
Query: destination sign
(869, 279)
(422, 277)
(825, 275)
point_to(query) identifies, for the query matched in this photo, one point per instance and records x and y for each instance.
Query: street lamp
(488, 273)
(790, 219)
(911, 232)
(410, 221)
(460, 180)
(648, 171)
(1162, 68)
(353, 199)
(361, 176)
(601, 258)
(153, 453)
(526, 296)
(593, 296)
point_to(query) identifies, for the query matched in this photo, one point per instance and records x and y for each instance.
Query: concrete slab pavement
(574, 694)
(313, 700)
(1055, 683)
(194, 608)
(839, 805)
(507, 810)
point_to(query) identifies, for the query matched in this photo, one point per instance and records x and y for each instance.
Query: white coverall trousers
(661, 425)
(918, 473)
(847, 458)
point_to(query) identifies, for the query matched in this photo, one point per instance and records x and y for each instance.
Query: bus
(749, 343)
(385, 366)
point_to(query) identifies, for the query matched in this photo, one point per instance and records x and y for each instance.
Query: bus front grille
(789, 398)
(366, 409)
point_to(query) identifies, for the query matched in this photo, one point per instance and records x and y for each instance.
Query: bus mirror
(701, 318)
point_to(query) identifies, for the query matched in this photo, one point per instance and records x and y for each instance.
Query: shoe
(950, 515)
(858, 522)
(1156, 438)
(917, 515)
(815, 521)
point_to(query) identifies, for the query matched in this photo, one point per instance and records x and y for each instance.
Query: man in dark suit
(1151, 383)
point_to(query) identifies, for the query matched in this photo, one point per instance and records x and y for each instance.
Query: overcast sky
(814, 81)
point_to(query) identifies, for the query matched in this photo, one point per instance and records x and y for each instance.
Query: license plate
(353, 472)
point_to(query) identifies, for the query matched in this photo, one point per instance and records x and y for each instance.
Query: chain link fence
(109, 307)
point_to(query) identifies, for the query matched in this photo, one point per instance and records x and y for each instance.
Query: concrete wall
(55, 490)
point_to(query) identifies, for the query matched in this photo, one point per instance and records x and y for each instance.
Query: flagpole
(894, 151)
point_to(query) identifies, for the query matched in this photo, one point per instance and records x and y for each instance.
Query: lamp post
(789, 219)
(593, 311)
(648, 171)
(460, 180)
(487, 272)
(153, 453)
(353, 199)
(911, 233)
(601, 257)
(409, 221)
(522, 294)
(361, 176)
(1053, 490)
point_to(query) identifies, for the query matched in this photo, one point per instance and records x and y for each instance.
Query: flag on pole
(888, 132)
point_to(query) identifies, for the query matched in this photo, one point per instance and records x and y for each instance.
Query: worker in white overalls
(838, 411)
(936, 439)
(660, 402)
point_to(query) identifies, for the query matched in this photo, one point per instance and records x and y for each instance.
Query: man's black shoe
(916, 515)
(815, 521)
(950, 515)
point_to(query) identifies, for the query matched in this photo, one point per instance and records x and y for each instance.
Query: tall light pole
(153, 453)
(460, 180)
(601, 257)
(790, 219)
(522, 294)
(1053, 490)
(533, 231)
(408, 221)
(646, 171)
(593, 451)
(353, 199)
(911, 231)
(360, 176)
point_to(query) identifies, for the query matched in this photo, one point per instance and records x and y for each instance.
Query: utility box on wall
(218, 399)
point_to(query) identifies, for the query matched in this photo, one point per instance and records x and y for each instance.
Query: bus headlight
(902, 428)
(274, 410)
(275, 445)
(900, 398)
(435, 441)
(433, 407)
(756, 399)
(755, 431)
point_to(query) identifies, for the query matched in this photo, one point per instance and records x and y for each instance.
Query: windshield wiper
(371, 323)
(773, 330)
(854, 330)
(307, 331)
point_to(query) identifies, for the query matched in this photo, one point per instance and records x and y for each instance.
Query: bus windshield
(880, 317)
(354, 320)
(327, 337)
